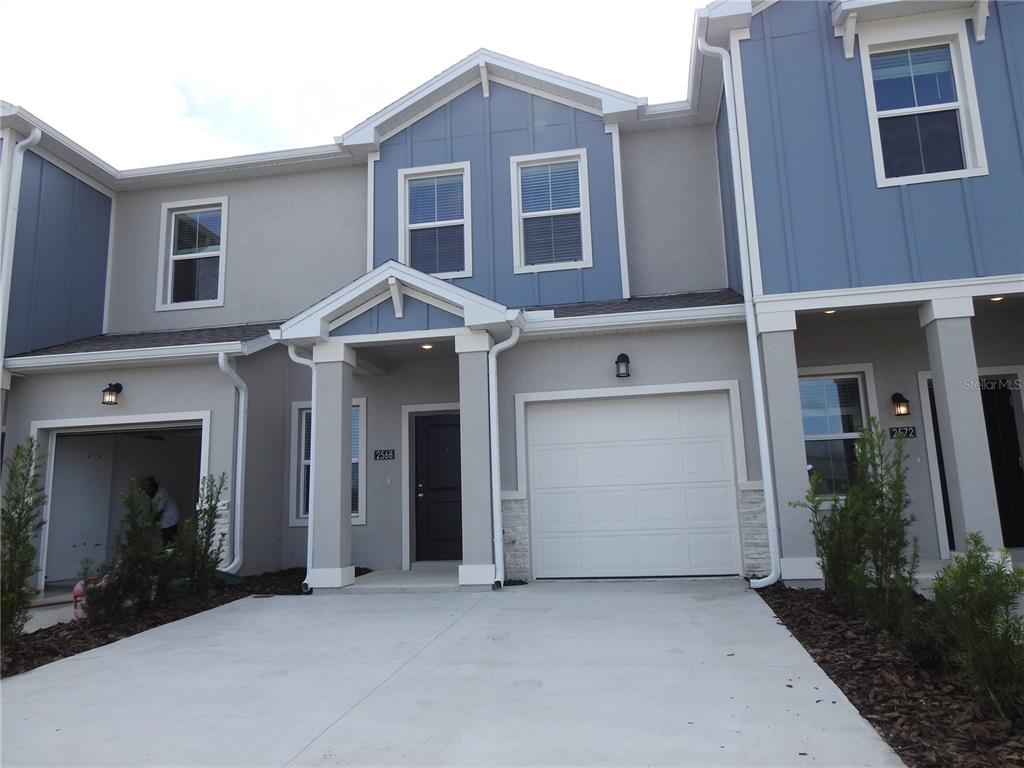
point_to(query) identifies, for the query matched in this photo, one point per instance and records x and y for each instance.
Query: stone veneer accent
(754, 529)
(515, 525)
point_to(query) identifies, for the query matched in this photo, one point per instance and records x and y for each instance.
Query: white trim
(329, 578)
(555, 97)
(867, 370)
(620, 213)
(296, 520)
(481, 574)
(406, 458)
(371, 171)
(430, 108)
(897, 293)
(923, 377)
(110, 263)
(516, 163)
(915, 32)
(543, 327)
(72, 171)
(129, 357)
(801, 568)
(54, 427)
(943, 309)
(405, 175)
(366, 306)
(522, 399)
(359, 516)
(165, 257)
(769, 322)
(477, 341)
(396, 297)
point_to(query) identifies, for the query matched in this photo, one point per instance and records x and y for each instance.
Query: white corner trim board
(47, 430)
(329, 578)
(729, 386)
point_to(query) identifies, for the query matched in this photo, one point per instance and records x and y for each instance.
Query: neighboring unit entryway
(633, 486)
(438, 474)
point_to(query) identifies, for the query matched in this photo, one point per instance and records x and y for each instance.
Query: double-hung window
(434, 211)
(302, 461)
(833, 411)
(551, 212)
(921, 104)
(193, 243)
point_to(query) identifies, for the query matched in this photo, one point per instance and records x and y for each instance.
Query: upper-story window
(550, 211)
(434, 220)
(193, 243)
(921, 103)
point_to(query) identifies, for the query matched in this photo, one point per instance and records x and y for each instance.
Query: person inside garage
(164, 506)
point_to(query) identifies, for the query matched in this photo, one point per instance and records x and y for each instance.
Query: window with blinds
(833, 415)
(550, 201)
(192, 264)
(436, 220)
(304, 455)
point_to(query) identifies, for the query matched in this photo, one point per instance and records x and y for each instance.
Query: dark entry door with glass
(438, 488)
(997, 399)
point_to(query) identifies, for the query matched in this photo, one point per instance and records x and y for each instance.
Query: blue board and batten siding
(822, 221)
(486, 132)
(729, 225)
(416, 316)
(59, 275)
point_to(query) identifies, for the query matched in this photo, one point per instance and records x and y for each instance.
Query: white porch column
(477, 540)
(785, 420)
(964, 438)
(331, 491)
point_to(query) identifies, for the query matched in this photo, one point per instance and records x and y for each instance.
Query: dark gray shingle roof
(143, 340)
(647, 303)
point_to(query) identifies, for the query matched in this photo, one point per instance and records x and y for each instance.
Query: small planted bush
(199, 545)
(20, 520)
(976, 628)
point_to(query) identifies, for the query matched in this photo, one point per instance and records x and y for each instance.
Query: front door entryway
(1003, 426)
(438, 488)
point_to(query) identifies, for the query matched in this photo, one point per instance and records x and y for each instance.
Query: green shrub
(139, 567)
(199, 545)
(104, 599)
(980, 634)
(20, 520)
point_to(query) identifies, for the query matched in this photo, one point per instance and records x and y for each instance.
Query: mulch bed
(926, 716)
(62, 640)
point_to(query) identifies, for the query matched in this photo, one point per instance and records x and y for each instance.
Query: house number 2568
(384, 455)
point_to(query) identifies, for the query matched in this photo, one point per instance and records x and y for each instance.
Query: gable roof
(390, 281)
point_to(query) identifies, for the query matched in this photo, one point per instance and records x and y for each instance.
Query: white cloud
(142, 84)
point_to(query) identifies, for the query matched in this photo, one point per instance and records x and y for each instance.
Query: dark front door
(438, 488)
(1004, 448)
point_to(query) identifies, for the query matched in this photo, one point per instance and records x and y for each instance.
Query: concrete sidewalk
(599, 674)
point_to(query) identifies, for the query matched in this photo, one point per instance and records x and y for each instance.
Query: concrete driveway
(598, 674)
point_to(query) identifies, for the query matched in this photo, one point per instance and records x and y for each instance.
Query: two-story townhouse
(879, 166)
(493, 325)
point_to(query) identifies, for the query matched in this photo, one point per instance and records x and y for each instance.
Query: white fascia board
(129, 357)
(872, 10)
(627, 321)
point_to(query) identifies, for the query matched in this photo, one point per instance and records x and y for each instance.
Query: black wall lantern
(110, 394)
(900, 405)
(622, 366)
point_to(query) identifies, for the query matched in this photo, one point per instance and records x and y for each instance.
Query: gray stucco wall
(866, 337)
(673, 212)
(292, 240)
(58, 280)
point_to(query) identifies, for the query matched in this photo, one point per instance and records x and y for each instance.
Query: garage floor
(597, 674)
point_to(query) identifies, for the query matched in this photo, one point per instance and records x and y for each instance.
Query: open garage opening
(90, 470)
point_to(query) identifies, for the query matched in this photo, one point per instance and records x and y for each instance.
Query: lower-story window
(833, 412)
(302, 458)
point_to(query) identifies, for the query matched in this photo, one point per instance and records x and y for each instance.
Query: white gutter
(312, 457)
(748, 305)
(492, 413)
(238, 496)
(10, 225)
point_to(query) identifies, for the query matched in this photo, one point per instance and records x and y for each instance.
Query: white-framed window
(302, 457)
(550, 211)
(834, 410)
(921, 100)
(434, 223)
(193, 248)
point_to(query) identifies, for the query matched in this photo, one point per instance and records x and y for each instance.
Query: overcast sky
(139, 83)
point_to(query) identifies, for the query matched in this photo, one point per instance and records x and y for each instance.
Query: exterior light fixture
(622, 366)
(996, 298)
(900, 405)
(426, 346)
(110, 394)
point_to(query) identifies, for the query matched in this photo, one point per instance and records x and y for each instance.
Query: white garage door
(633, 486)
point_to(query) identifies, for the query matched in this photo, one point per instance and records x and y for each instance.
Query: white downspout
(771, 513)
(312, 455)
(492, 413)
(238, 495)
(10, 225)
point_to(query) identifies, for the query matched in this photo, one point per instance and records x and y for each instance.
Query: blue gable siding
(822, 221)
(416, 316)
(729, 226)
(59, 275)
(486, 132)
